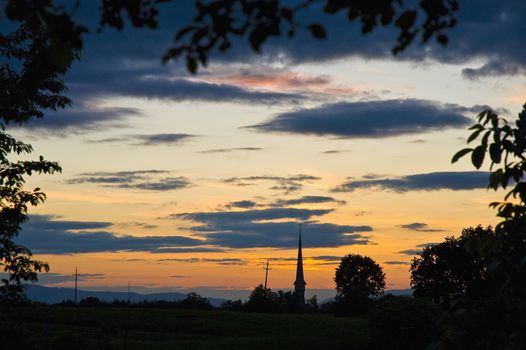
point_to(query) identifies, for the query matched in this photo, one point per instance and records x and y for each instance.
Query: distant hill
(53, 295)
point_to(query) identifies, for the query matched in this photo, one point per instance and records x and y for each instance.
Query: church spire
(299, 283)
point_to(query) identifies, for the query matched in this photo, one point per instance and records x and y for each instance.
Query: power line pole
(76, 283)
(267, 269)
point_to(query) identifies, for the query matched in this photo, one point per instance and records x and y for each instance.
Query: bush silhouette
(402, 323)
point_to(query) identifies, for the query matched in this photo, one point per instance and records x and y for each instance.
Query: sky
(173, 181)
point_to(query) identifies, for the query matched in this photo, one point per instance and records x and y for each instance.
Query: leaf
(476, 126)
(485, 138)
(477, 157)
(442, 39)
(287, 14)
(474, 135)
(495, 179)
(406, 20)
(461, 154)
(191, 65)
(495, 153)
(317, 31)
(183, 32)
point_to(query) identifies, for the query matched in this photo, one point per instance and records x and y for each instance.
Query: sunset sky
(176, 181)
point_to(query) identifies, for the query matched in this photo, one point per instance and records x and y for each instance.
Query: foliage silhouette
(218, 22)
(195, 301)
(232, 305)
(357, 278)
(403, 323)
(34, 56)
(505, 250)
(446, 270)
(262, 299)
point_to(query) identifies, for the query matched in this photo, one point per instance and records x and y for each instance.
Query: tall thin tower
(299, 283)
(267, 269)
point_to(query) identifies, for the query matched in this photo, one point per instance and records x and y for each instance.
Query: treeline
(260, 300)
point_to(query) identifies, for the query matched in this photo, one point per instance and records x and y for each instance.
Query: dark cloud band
(456, 181)
(369, 119)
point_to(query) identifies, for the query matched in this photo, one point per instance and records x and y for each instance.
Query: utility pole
(76, 283)
(267, 269)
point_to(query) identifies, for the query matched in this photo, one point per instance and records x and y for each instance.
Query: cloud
(168, 139)
(220, 261)
(283, 79)
(307, 260)
(46, 278)
(369, 119)
(133, 84)
(334, 151)
(127, 62)
(49, 235)
(417, 250)
(307, 200)
(285, 184)
(212, 232)
(246, 204)
(455, 181)
(228, 150)
(420, 227)
(82, 117)
(272, 227)
(165, 184)
(488, 31)
(137, 224)
(140, 180)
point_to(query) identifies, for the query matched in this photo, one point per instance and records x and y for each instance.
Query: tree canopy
(358, 277)
(448, 269)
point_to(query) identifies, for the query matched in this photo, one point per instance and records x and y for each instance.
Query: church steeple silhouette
(299, 283)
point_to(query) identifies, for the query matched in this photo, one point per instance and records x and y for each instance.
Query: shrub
(403, 323)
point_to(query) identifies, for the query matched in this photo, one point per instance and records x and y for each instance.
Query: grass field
(105, 328)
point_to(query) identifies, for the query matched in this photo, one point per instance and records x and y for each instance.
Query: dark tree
(497, 319)
(449, 269)
(232, 305)
(358, 277)
(195, 301)
(263, 299)
(402, 323)
(503, 145)
(35, 53)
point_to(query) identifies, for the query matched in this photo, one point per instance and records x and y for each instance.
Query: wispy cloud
(307, 200)
(420, 227)
(456, 181)
(229, 150)
(167, 139)
(285, 184)
(418, 249)
(147, 180)
(215, 261)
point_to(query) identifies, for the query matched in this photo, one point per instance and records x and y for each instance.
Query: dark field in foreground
(105, 328)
